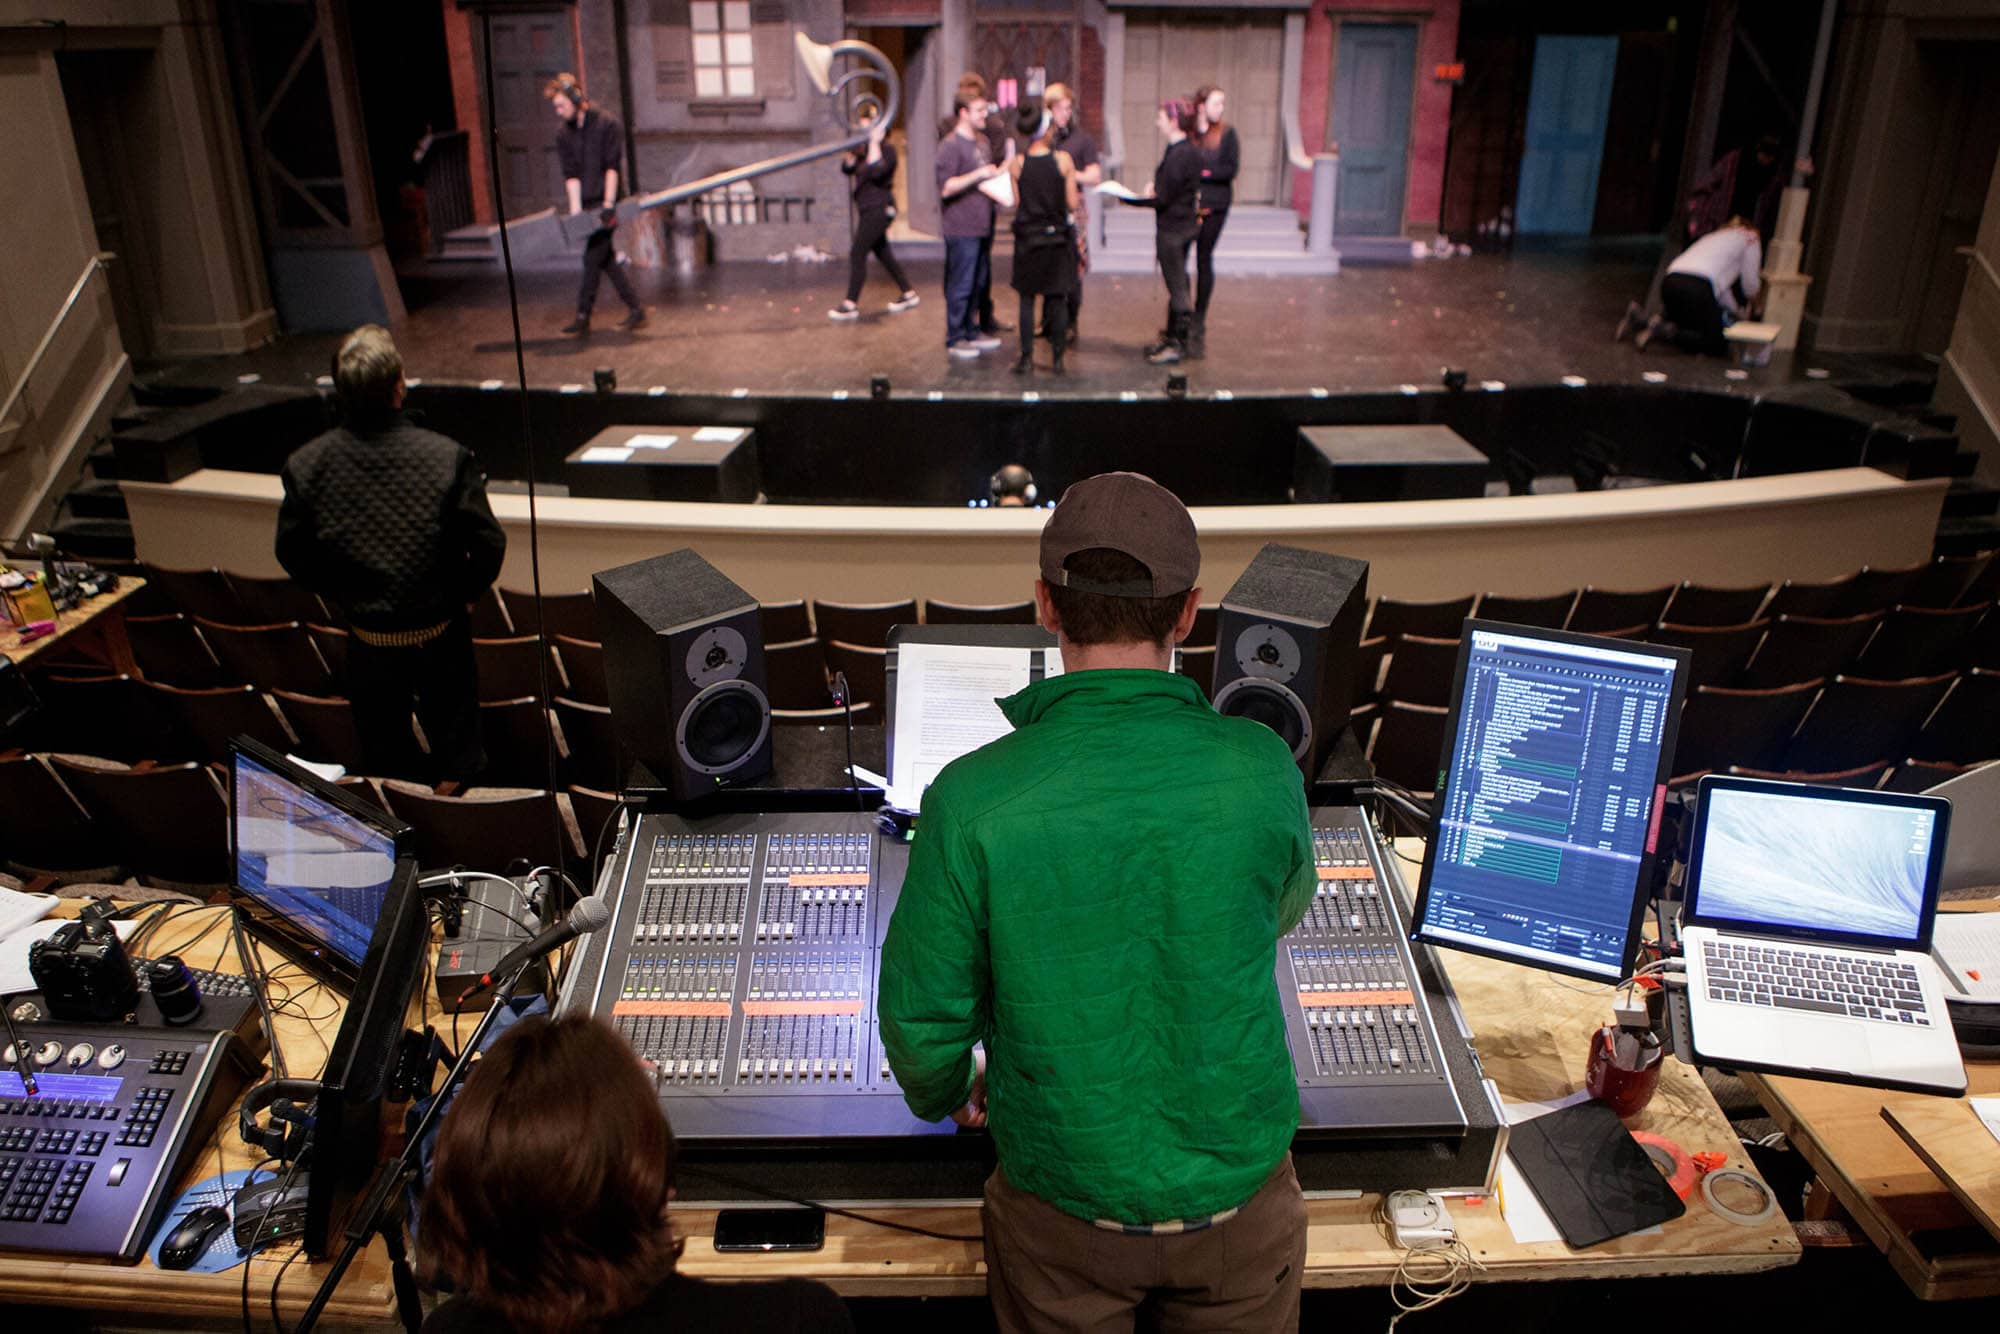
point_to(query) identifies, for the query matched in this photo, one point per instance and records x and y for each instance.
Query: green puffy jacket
(1098, 897)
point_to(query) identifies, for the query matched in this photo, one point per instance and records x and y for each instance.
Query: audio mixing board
(741, 961)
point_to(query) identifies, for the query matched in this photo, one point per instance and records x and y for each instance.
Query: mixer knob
(111, 1057)
(80, 1054)
(48, 1053)
(10, 1056)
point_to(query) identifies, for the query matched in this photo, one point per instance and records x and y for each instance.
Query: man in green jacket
(1097, 897)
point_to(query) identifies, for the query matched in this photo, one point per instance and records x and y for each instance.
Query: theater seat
(1420, 670)
(572, 614)
(1966, 727)
(1721, 727)
(1541, 613)
(867, 670)
(1717, 653)
(1408, 743)
(43, 828)
(482, 830)
(1600, 609)
(167, 825)
(784, 622)
(270, 657)
(962, 613)
(1437, 620)
(1858, 721)
(863, 624)
(1704, 604)
(1801, 648)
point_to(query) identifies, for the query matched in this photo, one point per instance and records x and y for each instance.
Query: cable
(847, 716)
(260, 982)
(527, 444)
(1430, 1273)
(277, 1321)
(725, 1179)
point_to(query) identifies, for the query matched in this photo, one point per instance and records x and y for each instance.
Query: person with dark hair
(390, 524)
(1013, 487)
(1068, 134)
(874, 173)
(999, 151)
(1173, 195)
(966, 218)
(1743, 183)
(547, 1204)
(1046, 196)
(590, 147)
(1097, 899)
(1220, 156)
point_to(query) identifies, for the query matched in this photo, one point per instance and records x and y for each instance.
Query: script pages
(945, 708)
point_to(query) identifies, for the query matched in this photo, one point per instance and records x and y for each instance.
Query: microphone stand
(379, 1214)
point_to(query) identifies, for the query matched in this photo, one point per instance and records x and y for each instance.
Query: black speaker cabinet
(684, 662)
(1286, 645)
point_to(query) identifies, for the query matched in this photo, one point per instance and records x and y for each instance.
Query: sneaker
(997, 327)
(633, 320)
(1165, 355)
(579, 325)
(1649, 333)
(1634, 319)
(846, 310)
(963, 348)
(907, 301)
(986, 343)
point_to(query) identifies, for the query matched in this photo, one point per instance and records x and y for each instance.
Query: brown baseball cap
(1128, 513)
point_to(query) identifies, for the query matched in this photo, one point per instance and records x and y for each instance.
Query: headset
(567, 85)
(290, 1127)
(993, 486)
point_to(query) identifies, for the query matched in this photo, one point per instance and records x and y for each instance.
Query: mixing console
(742, 963)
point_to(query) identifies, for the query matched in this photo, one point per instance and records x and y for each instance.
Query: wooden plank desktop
(1955, 1143)
(1899, 1200)
(99, 621)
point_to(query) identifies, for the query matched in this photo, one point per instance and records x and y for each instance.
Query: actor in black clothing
(1044, 244)
(1220, 156)
(874, 173)
(389, 523)
(547, 1203)
(1069, 135)
(590, 146)
(1176, 182)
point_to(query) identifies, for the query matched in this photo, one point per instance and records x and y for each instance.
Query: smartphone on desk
(770, 1230)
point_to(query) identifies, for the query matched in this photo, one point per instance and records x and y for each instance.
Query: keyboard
(1855, 986)
(209, 983)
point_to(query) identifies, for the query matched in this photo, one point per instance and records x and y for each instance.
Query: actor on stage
(390, 524)
(1045, 193)
(1708, 287)
(874, 173)
(590, 146)
(547, 1204)
(1073, 139)
(966, 218)
(1220, 156)
(999, 151)
(1176, 183)
(1097, 898)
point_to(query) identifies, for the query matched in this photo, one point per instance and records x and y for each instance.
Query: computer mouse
(190, 1237)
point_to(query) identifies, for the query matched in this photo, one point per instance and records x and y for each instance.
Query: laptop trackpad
(1819, 1044)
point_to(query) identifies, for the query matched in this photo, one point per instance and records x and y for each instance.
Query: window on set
(724, 59)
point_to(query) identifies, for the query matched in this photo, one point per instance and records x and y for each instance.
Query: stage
(1531, 317)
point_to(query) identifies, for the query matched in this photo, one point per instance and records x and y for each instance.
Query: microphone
(585, 917)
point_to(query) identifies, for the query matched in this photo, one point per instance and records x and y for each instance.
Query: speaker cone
(722, 727)
(1271, 704)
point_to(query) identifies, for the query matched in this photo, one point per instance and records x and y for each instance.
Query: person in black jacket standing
(590, 147)
(390, 524)
(1046, 198)
(1171, 196)
(1220, 156)
(874, 173)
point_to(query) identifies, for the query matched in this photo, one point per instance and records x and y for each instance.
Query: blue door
(1373, 79)
(1568, 104)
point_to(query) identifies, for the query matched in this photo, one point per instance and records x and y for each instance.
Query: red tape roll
(1671, 1159)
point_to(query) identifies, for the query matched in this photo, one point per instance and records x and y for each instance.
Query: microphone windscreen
(589, 914)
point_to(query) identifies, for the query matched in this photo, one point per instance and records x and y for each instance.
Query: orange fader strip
(672, 1009)
(830, 878)
(1320, 1000)
(802, 1007)
(1346, 873)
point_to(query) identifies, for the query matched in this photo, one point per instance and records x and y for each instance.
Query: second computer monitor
(1546, 821)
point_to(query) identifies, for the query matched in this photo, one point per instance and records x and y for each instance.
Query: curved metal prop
(850, 104)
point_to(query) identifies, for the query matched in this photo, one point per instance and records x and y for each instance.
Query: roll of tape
(1671, 1159)
(1732, 1179)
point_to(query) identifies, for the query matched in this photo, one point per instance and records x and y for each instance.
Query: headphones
(993, 488)
(291, 1123)
(567, 85)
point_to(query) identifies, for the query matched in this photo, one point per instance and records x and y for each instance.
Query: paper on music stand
(718, 435)
(604, 454)
(945, 707)
(651, 441)
(1117, 190)
(1000, 189)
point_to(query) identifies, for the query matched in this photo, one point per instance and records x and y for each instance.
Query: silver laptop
(1807, 933)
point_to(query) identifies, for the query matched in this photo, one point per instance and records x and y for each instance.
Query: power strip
(1418, 1218)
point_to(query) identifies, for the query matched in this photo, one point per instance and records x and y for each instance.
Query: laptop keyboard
(1856, 986)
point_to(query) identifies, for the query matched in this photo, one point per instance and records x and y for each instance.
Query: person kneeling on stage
(1046, 198)
(590, 147)
(874, 173)
(1172, 196)
(1098, 897)
(547, 1203)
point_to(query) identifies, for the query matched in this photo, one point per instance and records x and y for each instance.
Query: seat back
(1866, 776)
(1918, 641)
(1541, 613)
(326, 729)
(1857, 721)
(1722, 726)
(1802, 648)
(1966, 727)
(1203, 632)
(1944, 580)
(1198, 665)
(1707, 604)
(212, 717)
(114, 717)
(168, 648)
(572, 614)
(1858, 594)
(1717, 653)
(863, 624)
(200, 593)
(964, 613)
(866, 668)
(167, 824)
(489, 618)
(1601, 609)
(42, 826)
(515, 733)
(270, 657)
(1420, 670)
(1923, 775)
(832, 716)
(594, 756)
(1408, 742)
(512, 668)
(482, 831)
(583, 667)
(1435, 620)
(795, 675)
(331, 641)
(268, 601)
(785, 622)
(1368, 669)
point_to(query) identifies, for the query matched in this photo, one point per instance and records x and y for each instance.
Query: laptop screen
(1815, 860)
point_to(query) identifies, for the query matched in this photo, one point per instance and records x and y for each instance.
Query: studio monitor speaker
(684, 663)
(1287, 644)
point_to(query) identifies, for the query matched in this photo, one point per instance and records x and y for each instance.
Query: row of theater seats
(88, 819)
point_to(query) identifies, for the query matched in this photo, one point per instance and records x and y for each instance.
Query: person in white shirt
(1708, 287)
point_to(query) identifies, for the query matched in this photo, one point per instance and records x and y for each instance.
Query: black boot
(579, 325)
(1026, 364)
(1197, 342)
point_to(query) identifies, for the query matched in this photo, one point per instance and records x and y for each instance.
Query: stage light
(1177, 384)
(878, 386)
(605, 379)
(1454, 378)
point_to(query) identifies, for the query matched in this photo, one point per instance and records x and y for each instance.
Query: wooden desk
(1896, 1198)
(1955, 1143)
(95, 623)
(120, 1293)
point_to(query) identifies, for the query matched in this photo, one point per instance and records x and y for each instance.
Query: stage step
(1258, 239)
(472, 244)
(96, 500)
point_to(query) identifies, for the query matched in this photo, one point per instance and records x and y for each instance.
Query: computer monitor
(1546, 822)
(347, 1117)
(312, 863)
